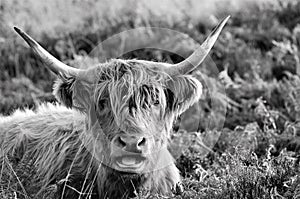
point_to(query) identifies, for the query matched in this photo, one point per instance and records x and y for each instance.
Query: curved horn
(189, 64)
(51, 62)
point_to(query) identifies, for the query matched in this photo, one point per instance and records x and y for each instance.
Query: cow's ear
(73, 93)
(63, 91)
(182, 92)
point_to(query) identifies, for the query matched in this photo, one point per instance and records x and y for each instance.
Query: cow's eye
(102, 104)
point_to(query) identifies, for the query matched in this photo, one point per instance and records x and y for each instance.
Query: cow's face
(132, 107)
(130, 104)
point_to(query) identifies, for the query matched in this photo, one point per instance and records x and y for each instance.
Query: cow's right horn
(51, 62)
(191, 63)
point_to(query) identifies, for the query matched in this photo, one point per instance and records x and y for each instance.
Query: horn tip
(26, 37)
(18, 30)
(226, 18)
(217, 29)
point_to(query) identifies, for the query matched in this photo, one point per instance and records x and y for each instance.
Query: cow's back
(47, 121)
(49, 137)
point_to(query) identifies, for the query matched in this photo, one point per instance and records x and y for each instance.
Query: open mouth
(130, 163)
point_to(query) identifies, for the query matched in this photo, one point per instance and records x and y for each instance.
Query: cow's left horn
(189, 64)
(51, 62)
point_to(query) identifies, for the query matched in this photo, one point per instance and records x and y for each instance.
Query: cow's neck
(120, 185)
(114, 184)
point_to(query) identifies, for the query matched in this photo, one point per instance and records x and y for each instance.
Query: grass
(257, 153)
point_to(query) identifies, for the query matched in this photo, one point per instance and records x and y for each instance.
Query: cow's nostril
(142, 142)
(121, 142)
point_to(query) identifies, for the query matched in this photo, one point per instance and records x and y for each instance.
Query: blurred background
(257, 54)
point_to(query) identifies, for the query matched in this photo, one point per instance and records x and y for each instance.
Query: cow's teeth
(128, 161)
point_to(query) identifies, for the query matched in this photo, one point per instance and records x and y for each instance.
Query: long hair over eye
(102, 104)
(145, 97)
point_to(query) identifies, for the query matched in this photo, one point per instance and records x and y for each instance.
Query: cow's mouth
(130, 163)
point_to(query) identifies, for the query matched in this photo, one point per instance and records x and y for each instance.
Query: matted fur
(130, 96)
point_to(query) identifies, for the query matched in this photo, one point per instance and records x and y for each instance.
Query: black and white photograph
(160, 99)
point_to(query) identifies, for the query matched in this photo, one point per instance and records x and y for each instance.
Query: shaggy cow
(113, 128)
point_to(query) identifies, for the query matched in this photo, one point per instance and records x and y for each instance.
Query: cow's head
(129, 104)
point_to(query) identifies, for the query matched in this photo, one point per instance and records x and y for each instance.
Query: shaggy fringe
(124, 79)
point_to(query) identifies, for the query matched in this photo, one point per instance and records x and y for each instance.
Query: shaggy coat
(72, 142)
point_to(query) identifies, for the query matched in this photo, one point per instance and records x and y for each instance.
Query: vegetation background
(257, 152)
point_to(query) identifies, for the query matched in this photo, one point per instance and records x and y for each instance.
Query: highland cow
(112, 127)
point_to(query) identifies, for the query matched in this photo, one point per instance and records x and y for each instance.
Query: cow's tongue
(128, 160)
